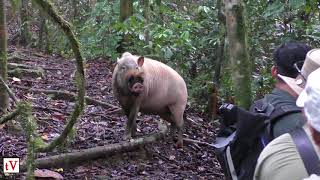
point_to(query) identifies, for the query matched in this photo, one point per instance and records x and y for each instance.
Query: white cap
(309, 99)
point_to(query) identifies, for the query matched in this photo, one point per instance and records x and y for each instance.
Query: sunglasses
(296, 66)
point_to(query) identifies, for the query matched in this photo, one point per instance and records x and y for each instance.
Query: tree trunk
(3, 58)
(222, 36)
(239, 57)
(146, 17)
(126, 9)
(75, 9)
(42, 22)
(159, 4)
(24, 16)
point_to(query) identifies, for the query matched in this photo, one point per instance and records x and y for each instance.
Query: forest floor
(97, 127)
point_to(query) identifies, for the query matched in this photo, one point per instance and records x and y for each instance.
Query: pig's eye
(137, 67)
(123, 68)
(130, 79)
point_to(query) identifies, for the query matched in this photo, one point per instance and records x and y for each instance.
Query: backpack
(244, 134)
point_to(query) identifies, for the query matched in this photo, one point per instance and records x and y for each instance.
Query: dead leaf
(45, 137)
(45, 173)
(172, 157)
(58, 116)
(16, 79)
(59, 170)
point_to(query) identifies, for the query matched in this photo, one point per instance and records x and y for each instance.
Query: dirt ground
(97, 127)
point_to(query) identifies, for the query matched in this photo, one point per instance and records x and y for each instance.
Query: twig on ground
(187, 140)
(49, 109)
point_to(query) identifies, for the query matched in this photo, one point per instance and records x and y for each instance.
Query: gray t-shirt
(280, 160)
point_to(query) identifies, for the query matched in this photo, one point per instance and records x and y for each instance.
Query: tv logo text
(11, 165)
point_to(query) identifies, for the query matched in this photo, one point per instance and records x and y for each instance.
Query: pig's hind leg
(167, 116)
(177, 118)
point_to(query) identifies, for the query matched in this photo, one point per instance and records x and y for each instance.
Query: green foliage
(185, 35)
(15, 4)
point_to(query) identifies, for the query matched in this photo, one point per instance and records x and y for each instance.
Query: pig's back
(164, 87)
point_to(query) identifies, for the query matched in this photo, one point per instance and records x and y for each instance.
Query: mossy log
(65, 160)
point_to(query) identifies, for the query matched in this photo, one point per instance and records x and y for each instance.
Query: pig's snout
(137, 88)
(135, 84)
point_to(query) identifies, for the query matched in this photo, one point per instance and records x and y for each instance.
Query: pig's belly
(154, 107)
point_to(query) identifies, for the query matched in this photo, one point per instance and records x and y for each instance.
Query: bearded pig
(149, 86)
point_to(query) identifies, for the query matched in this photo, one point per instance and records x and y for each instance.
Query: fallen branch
(66, 95)
(187, 140)
(16, 58)
(10, 116)
(49, 109)
(18, 72)
(21, 66)
(65, 160)
(9, 90)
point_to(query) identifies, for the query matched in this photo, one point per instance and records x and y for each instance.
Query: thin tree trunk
(126, 9)
(25, 30)
(4, 98)
(41, 30)
(238, 51)
(75, 9)
(47, 37)
(220, 51)
(146, 17)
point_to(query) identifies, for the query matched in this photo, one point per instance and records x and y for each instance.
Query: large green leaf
(296, 4)
(274, 9)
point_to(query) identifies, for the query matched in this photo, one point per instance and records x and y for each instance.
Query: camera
(229, 114)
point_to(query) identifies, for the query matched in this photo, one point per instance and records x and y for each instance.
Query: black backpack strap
(306, 151)
(279, 112)
(274, 113)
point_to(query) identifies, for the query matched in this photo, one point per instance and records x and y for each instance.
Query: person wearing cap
(280, 159)
(288, 58)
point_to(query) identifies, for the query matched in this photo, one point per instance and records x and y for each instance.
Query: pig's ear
(118, 60)
(140, 61)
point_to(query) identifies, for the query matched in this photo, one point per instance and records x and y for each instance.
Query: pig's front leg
(131, 126)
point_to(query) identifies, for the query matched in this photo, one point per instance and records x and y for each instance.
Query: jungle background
(190, 36)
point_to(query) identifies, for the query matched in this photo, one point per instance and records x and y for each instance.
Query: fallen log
(67, 96)
(19, 73)
(67, 159)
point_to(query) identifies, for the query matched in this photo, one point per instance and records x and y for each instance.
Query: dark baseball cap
(286, 55)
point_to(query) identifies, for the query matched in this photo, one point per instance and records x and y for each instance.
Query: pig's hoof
(179, 144)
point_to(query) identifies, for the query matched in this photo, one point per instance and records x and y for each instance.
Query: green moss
(241, 63)
(29, 125)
